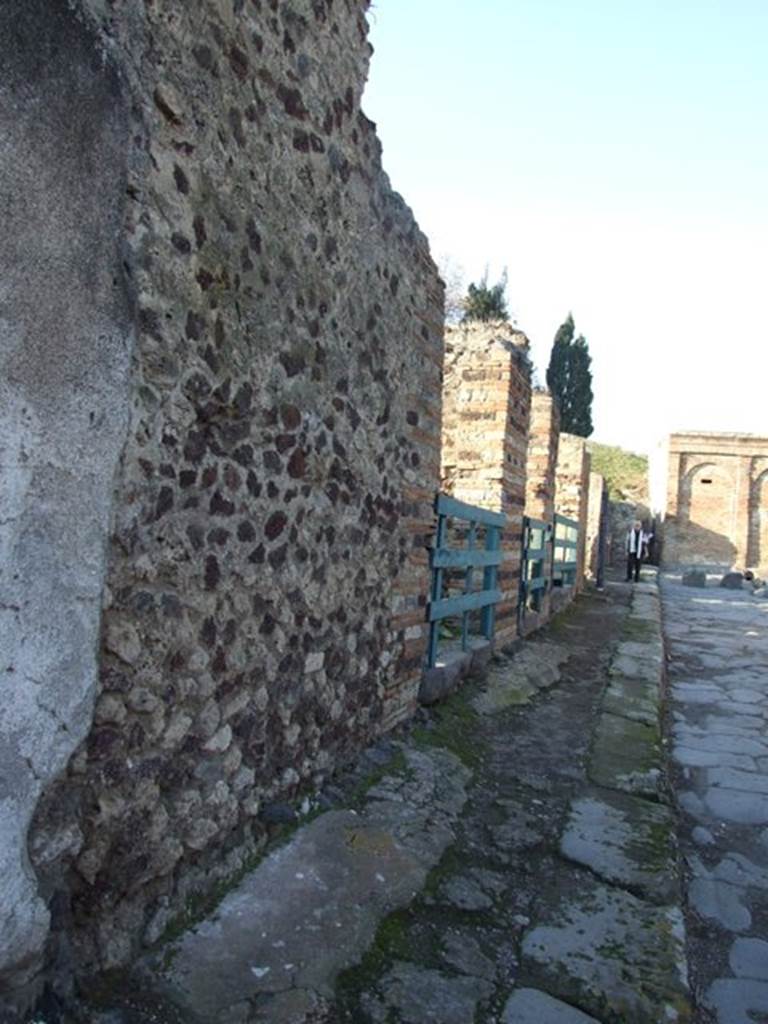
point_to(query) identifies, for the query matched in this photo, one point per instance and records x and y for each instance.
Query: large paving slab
(626, 755)
(624, 840)
(612, 954)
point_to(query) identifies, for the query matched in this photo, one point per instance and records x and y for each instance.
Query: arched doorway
(707, 507)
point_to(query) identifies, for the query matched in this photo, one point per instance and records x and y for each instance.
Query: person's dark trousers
(633, 568)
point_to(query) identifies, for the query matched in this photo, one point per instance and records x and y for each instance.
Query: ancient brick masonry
(541, 467)
(486, 411)
(267, 564)
(594, 511)
(716, 502)
(572, 491)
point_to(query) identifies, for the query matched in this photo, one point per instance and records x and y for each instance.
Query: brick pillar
(541, 463)
(594, 508)
(408, 630)
(486, 410)
(572, 490)
(741, 510)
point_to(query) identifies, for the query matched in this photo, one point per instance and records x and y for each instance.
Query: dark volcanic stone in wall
(267, 566)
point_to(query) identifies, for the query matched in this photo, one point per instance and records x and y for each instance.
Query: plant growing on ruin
(486, 302)
(569, 378)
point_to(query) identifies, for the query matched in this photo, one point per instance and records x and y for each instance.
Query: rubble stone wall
(486, 412)
(717, 501)
(265, 564)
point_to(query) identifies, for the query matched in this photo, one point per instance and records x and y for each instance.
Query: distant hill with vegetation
(626, 473)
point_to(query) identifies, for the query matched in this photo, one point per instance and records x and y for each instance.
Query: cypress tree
(569, 378)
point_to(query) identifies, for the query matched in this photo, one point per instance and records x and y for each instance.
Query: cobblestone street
(718, 668)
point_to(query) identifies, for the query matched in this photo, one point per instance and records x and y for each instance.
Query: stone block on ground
(618, 957)
(694, 578)
(438, 682)
(732, 581)
(624, 840)
(626, 755)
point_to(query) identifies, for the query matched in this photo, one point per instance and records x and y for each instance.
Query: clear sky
(613, 155)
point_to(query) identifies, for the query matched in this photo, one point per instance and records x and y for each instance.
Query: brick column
(486, 410)
(594, 507)
(572, 491)
(541, 463)
(408, 630)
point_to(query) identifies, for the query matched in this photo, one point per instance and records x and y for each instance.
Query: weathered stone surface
(749, 959)
(632, 698)
(738, 1001)
(529, 1006)
(720, 901)
(513, 679)
(626, 841)
(626, 755)
(463, 954)
(618, 957)
(421, 996)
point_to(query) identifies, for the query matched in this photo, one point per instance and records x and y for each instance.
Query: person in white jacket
(637, 550)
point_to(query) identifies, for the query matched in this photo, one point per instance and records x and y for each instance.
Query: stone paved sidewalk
(513, 863)
(718, 672)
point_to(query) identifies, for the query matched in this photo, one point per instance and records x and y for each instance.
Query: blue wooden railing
(536, 564)
(488, 558)
(565, 559)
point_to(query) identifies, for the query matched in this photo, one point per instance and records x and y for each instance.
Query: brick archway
(707, 506)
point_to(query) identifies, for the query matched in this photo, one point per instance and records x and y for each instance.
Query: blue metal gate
(566, 543)
(535, 564)
(466, 559)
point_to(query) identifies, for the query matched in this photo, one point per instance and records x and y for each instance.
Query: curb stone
(616, 944)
